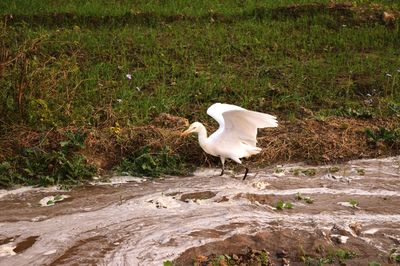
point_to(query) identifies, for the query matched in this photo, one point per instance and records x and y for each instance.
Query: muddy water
(145, 222)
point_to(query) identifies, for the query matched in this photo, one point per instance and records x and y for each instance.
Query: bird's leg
(223, 165)
(245, 173)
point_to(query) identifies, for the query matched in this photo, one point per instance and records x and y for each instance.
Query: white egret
(236, 136)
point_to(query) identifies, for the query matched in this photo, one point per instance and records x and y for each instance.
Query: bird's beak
(186, 132)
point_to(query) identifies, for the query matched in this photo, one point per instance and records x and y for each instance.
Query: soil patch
(198, 196)
(25, 244)
(276, 247)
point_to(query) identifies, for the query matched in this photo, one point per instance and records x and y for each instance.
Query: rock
(285, 262)
(339, 239)
(7, 250)
(51, 200)
(281, 253)
(356, 227)
(338, 230)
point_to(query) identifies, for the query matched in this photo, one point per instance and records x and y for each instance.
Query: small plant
(306, 199)
(360, 171)
(284, 205)
(394, 255)
(333, 169)
(264, 258)
(344, 254)
(168, 263)
(382, 134)
(354, 203)
(296, 172)
(37, 166)
(339, 255)
(219, 261)
(309, 172)
(147, 163)
(54, 200)
(299, 196)
(279, 171)
(353, 112)
(8, 175)
(310, 261)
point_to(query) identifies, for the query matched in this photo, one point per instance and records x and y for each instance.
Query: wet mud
(352, 207)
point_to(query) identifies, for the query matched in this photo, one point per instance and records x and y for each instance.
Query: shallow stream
(133, 221)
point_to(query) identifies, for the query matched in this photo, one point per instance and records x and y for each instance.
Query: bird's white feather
(237, 132)
(238, 125)
(216, 110)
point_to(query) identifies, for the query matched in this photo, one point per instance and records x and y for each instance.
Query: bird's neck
(202, 135)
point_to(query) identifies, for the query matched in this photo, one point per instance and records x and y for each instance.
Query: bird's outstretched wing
(216, 110)
(238, 123)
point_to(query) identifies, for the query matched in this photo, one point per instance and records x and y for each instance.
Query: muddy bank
(352, 206)
(333, 140)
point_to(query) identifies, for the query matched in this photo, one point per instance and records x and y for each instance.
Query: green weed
(264, 258)
(36, 166)
(307, 172)
(360, 171)
(354, 203)
(382, 134)
(394, 255)
(361, 112)
(168, 263)
(153, 164)
(333, 169)
(306, 199)
(284, 205)
(310, 261)
(340, 255)
(219, 261)
(337, 256)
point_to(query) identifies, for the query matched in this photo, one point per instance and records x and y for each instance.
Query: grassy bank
(110, 69)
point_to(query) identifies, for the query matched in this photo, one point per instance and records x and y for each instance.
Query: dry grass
(333, 140)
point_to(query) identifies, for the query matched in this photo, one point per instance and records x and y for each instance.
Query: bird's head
(195, 127)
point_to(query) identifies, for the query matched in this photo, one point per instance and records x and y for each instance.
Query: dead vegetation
(329, 141)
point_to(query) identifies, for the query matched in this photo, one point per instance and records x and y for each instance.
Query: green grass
(281, 205)
(333, 256)
(65, 63)
(153, 164)
(103, 7)
(269, 64)
(36, 166)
